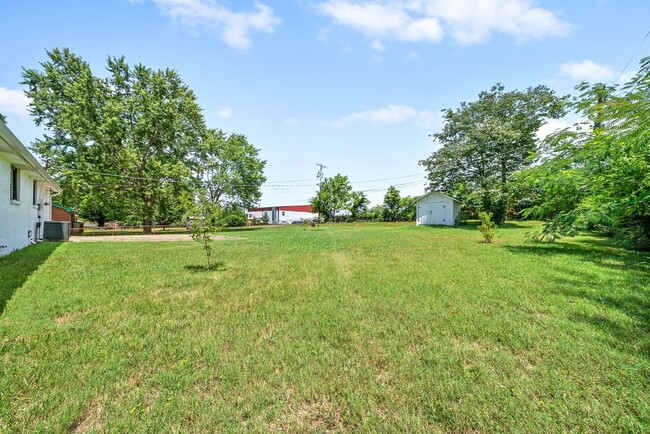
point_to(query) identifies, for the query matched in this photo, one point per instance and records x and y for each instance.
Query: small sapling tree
(487, 227)
(205, 228)
(265, 218)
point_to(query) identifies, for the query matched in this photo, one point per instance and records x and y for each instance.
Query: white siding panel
(18, 218)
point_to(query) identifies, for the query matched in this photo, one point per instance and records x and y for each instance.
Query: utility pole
(320, 176)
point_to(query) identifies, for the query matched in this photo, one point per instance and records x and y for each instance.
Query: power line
(633, 55)
(266, 185)
(388, 179)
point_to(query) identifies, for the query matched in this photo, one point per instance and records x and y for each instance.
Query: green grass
(353, 327)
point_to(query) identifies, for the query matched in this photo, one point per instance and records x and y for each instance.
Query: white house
(435, 208)
(25, 194)
(283, 213)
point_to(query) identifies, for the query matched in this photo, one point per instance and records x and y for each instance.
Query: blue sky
(355, 85)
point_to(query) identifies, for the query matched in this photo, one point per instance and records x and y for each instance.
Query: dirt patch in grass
(314, 415)
(91, 418)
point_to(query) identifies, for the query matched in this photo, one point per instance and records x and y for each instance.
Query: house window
(14, 185)
(282, 213)
(34, 193)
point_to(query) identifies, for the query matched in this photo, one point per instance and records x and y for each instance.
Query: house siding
(18, 218)
(286, 213)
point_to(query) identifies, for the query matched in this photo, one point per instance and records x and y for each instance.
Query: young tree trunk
(503, 200)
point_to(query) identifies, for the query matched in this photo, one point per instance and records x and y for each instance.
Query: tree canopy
(230, 169)
(392, 202)
(133, 145)
(597, 176)
(485, 141)
(333, 195)
(358, 204)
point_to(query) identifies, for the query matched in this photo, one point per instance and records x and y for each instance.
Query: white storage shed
(435, 208)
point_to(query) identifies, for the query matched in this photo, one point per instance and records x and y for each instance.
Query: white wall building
(283, 214)
(435, 208)
(25, 194)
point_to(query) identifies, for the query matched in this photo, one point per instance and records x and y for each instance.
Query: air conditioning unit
(56, 231)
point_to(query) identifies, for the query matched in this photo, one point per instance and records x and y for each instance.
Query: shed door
(424, 213)
(438, 213)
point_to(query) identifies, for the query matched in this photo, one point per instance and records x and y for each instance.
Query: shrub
(205, 228)
(234, 217)
(487, 227)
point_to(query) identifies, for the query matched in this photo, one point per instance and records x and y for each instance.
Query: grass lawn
(353, 327)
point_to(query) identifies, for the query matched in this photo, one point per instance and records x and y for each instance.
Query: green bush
(487, 227)
(234, 217)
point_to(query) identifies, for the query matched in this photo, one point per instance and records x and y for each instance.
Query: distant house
(283, 214)
(25, 194)
(435, 208)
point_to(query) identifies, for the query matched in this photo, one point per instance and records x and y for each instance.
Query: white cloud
(225, 113)
(291, 121)
(379, 19)
(467, 21)
(390, 114)
(587, 70)
(235, 27)
(14, 102)
(550, 127)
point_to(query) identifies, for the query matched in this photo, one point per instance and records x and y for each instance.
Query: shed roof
(437, 192)
(70, 210)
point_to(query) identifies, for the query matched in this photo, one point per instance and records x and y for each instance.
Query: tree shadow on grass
(226, 231)
(216, 266)
(600, 252)
(620, 282)
(471, 225)
(16, 268)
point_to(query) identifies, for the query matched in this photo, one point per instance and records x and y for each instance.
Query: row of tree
(594, 175)
(133, 145)
(336, 201)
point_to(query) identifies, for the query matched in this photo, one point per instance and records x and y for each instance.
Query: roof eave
(30, 162)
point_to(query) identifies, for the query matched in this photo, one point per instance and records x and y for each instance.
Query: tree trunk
(148, 217)
(146, 225)
(503, 202)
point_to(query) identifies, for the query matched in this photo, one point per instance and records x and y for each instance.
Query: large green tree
(120, 144)
(408, 209)
(598, 175)
(392, 201)
(230, 169)
(333, 195)
(358, 204)
(485, 141)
